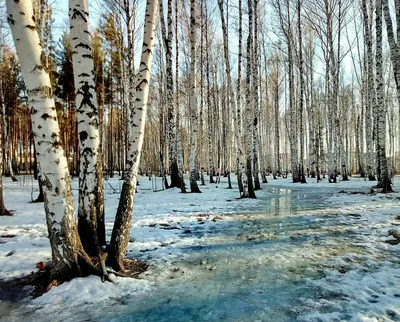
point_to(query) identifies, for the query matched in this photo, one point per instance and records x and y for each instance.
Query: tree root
(53, 276)
(6, 212)
(119, 274)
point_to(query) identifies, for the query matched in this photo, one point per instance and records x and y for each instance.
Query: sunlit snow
(299, 252)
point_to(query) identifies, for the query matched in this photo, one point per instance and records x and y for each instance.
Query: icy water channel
(261, 266)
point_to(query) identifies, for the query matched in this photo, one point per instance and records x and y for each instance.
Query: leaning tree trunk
(59, 205)
(384, 179)
(91, 201)
(120, 234)
(193, 100)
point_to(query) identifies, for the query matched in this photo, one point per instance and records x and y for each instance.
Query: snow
(305, 252)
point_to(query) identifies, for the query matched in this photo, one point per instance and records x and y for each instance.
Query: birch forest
(188, 91)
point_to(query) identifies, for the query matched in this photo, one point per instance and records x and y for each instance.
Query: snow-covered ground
(296, 253)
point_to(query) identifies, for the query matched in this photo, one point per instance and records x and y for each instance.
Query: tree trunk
(91, 224)
(371, 94)
(211, 169)
(171, 126)
(241, 173)
(179, 149)
(301, 98)
(193, 100)
(381, 109)
(59, 205)
(120, 234)
(3, 210)
(248, 188)
(257, 155)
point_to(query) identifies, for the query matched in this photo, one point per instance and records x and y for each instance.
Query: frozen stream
(294, 254)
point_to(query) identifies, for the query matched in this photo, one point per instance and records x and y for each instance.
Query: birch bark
(179, 148)
(381, 107)
(91, 201)
(3, 210)
(167, 35)
(257, 155)
(120, 234)
(193, 100)
(371, 94)
(230, 93)
(241, 171)
(249, 193)
(59, 206)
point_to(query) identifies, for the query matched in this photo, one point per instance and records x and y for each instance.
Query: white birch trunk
(302, 91)
(193, 100)
(3, 210)
(249, 192)
(230, 94)
(242, 176)
(178, 134)
(91, 203)
(130, 28)
(371, 94)
(257, 156)
(171, 125)
(120, 234)
(209, 108)
(59, 206)
(381, 108)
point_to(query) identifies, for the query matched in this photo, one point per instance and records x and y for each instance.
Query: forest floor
(299, 252)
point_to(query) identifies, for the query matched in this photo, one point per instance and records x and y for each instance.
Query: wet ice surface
(297, 253)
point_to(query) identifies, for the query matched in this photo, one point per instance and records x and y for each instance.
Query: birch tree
(211, 169)
(242, 176)
(230, 93)
(167, 35)
(193, 100)
(91, 201)
(120, 234)
(381, 107)
(257, 151)
(371, 94)
(393, 42)
(249, 192)
(179, 149)
(302, 89)
(3, 210)
(285, 22)
(58, 201)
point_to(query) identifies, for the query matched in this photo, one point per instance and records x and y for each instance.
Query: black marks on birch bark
(77, 13)
(83, 136)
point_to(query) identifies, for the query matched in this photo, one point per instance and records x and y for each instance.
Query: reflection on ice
(256, 267)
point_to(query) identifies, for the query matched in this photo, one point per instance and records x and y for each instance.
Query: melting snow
(312, 252)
